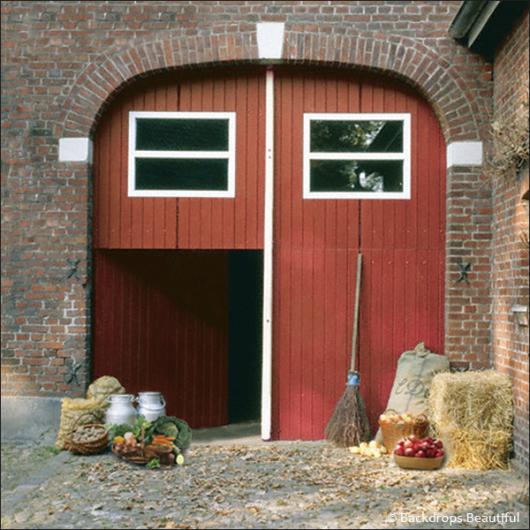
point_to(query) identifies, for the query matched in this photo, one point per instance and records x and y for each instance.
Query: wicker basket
(142, 455)
(88, 439)
(394, 432)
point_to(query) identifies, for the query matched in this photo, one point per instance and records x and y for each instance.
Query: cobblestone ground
(283, 485)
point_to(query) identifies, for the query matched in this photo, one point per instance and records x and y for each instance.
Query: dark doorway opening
(245, 332)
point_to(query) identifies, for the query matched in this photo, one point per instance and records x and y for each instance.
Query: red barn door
(153, 327)
(161, 265)
(316, 246)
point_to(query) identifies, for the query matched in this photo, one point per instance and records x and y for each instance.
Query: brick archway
(462, 114)
(402, 57)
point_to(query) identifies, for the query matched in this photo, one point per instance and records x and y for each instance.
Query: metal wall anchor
(72, 372)
(464, 269)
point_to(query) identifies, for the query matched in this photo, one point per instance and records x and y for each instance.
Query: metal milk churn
(151, 405)
(121, 409)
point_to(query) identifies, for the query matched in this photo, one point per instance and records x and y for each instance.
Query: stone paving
(258, 485)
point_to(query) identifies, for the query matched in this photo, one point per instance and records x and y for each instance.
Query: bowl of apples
(419, 453)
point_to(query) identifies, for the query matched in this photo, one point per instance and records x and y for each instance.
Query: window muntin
(181, 154)
(354, 156)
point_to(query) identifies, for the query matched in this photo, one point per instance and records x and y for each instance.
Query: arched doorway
(319, 227)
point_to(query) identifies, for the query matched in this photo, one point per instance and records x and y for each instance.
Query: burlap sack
(76, 412)
(102, 388)
(415, 370)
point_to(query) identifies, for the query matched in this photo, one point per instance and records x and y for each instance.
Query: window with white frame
(356, 156)
(181, 154)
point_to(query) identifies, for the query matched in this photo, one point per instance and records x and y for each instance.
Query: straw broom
(349, 424)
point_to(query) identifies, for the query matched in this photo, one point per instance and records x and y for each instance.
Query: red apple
(399, 451)
(420, 454)
(439, 453)
(408, 444)
(439, 444)
(430, 453)
(425, 445)
(410, 452)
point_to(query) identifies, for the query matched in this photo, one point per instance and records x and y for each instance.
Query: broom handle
(356, 312)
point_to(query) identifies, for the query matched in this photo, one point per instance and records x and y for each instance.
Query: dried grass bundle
(473, 413)
(472, 449)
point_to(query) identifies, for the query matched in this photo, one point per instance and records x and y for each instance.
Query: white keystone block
(464, 154)
(75, 150)
(270, 39)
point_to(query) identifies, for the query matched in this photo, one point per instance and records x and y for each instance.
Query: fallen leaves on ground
(296, 485)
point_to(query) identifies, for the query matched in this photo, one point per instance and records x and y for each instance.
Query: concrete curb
(30, 418)
(52, 467)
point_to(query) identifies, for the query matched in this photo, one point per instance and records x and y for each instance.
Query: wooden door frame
(268, 242)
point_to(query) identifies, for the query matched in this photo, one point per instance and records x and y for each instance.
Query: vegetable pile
(88, 433)
(394, 417)
(372, 450)
(156, 443)
(420, 447)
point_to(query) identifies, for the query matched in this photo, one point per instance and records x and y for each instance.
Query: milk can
(151, 405)
(121, 409)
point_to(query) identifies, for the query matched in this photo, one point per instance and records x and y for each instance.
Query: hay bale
(473, 413)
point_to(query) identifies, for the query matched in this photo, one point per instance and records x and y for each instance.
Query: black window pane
(336, 136)
(357, 175)
(181, 135)
(181, 174)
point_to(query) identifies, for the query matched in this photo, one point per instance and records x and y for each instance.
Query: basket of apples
(419, 453)
(395, 427)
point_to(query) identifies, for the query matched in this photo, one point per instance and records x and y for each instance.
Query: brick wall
(63, 61)
(510, 259)
(468, 302)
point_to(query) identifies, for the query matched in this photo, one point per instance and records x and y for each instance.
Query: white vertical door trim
(266, 375)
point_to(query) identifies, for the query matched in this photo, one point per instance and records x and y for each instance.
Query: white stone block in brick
(75, 150)
(270, 39)
(464, 154)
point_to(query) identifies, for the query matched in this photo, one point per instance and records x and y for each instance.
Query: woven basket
(88, 439)
(422, 464)
(394, 432)
(142, 455)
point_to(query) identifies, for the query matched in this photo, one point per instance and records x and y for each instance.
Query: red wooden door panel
(191, 223)
(316, 245)
(161, 323)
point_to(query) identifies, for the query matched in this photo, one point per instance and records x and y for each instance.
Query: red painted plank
(124, 223)
(138, 221)
(159, 206)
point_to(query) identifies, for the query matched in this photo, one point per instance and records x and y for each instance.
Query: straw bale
(473, 413)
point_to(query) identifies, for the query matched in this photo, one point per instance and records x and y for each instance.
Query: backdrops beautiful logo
(451, 519)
